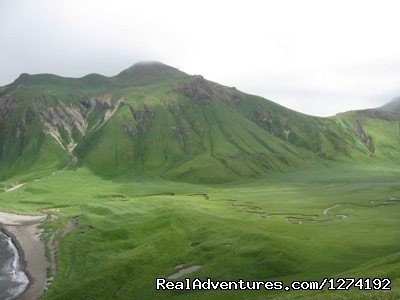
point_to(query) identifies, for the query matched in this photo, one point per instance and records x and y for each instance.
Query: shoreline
(21, 253)
(24, 233)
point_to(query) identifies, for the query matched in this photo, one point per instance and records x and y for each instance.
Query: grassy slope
(19, 152)
(382, 127)
(327, 137)
(159, 132)
(32, 150)
(122, 243)
(179, 139)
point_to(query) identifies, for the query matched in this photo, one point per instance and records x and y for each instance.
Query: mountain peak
(392, 105)
(144, 68)
(148, 63)
(147, 72)
(23, 78)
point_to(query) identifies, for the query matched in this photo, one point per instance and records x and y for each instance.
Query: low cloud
(316, 57)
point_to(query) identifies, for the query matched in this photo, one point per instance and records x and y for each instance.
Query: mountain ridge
(392, 105)
(156, 120)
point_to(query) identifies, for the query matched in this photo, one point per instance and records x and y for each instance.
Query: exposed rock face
(202, 91)
(266, 119)
(229, 96)
(65, 122)
(287, 133)
(142, 121)
(197, 88)
(129, 129)
(366, 140)
(8, 103)
(61, 117)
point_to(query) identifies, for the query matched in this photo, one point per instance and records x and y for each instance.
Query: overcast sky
(317, 57)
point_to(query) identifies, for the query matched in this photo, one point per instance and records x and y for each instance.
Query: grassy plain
(133, 230)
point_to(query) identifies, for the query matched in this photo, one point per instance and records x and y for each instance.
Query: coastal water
(13, 280)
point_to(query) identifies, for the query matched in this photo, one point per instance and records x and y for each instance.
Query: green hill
(155, 120)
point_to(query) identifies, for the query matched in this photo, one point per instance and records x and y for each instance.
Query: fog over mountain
(393, 105)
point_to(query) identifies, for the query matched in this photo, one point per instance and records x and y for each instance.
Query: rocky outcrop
(197, 89)
(142, 120)
(366, 140)
(129, 129)
(266, 120)
(67, 121)
(230, 96)
(61, 122)
(287, 133)
(8, 103)
(202, 91)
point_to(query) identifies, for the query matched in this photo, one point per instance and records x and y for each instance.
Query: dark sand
(25, 234)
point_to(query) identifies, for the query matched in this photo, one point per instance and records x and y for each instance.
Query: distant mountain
(393, 105)
(156, 120)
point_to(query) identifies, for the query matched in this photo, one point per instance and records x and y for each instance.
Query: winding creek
(307, 218)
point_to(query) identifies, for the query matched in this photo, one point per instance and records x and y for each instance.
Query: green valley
(155, 170)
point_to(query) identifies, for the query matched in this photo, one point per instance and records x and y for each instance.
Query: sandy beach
(25, 234)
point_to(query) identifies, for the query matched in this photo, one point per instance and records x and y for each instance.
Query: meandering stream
(306, 218)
